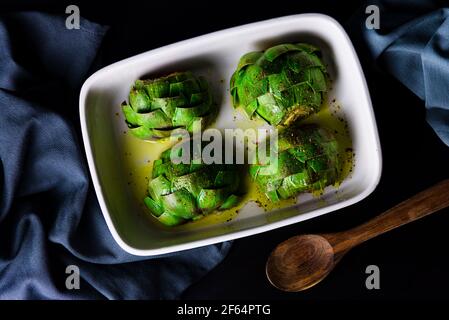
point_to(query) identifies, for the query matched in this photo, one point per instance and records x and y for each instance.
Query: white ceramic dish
(215, 55)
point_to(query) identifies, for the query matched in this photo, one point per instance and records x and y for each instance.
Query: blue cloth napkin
(413, 44)
(49, 215)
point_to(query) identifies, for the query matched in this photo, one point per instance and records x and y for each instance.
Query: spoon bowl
(300, 262)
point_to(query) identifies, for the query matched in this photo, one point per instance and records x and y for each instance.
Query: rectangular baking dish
(215, 56)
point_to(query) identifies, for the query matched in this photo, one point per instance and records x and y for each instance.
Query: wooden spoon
(302, 261)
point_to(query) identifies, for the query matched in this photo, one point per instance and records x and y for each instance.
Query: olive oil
(139, 156)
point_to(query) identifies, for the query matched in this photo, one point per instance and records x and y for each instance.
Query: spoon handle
(420, 205)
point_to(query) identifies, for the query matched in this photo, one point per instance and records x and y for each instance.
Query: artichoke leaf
(185, 115)
(230, 202)
(153, 206)
(170, 220)
(159, 187)
(142, 132)
(153, 119)
(155, 88)
(210, 199)
(269, 109)
(186, 88)
(249, 59)
(274, 52)
(193, 182)
(139, 100)
(180, 203)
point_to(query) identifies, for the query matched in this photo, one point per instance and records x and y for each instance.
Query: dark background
(413, 260)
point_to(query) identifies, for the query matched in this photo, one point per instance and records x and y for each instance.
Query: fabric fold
(49, 215)
(416, 51)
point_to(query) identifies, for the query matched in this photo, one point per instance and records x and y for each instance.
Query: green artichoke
(157, 107)
(307, 160)
(181, 192)
(285, 83)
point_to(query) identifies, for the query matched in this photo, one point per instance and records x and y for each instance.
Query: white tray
(215, 56)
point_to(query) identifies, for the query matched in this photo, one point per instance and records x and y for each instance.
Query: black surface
(413, 260)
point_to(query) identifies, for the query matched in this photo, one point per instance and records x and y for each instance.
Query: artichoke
(285, 83)
(307, 160)
(157, 107)
(181, 192)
